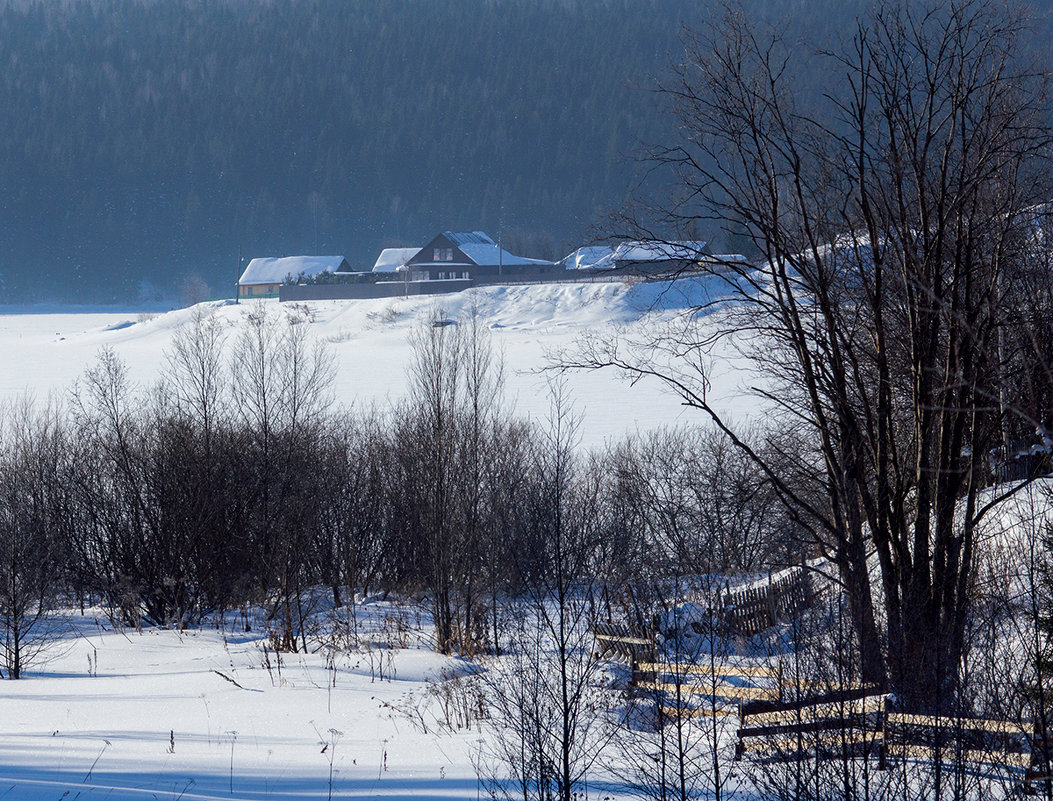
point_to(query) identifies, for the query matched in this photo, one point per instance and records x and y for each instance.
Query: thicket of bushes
(237, 480)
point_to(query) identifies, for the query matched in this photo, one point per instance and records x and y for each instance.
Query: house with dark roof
(473, 256)
(263, 277)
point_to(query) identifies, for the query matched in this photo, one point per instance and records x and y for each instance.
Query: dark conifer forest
(143, 142)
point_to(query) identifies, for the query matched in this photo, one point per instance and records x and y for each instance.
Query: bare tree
(126, 558)
(702, 505)
(435, 394)
(32, 531)
(547, 695)
(281, 390)
(352, 521)
(483, 437)
(454, 445)
(196, 370)
(888, 220)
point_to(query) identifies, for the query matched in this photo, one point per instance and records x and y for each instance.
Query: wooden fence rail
(786, 718)
(765, 684)
(715, 669)
(864, 725)
(635, 644)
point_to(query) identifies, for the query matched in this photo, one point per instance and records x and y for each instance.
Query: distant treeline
(144, 142)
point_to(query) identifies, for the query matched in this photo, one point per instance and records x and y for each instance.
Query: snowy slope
(208, 714)
(46, 351)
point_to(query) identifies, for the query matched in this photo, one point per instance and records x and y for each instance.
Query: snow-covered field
(47, 348)
(212, 714)
(163, 715)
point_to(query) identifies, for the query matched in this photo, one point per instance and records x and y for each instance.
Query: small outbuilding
(393, 260)
(638, 256)
(590, 257)
(263, 277)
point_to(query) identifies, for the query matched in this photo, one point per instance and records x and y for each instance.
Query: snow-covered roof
(274, 271)
(490, 254)
(591, 257)
(606, 257)
(468, 238)
(657, 251)
(478, 250)
(391, 259)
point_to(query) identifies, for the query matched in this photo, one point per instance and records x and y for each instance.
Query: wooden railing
(785, 718)
(860, 723)
(679, 685)
(635, 644)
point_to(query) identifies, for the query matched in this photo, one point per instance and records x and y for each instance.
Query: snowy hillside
(48, 348)
(214, 713)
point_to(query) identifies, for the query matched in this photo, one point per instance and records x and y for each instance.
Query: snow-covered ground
(47, 348)
(212, 714)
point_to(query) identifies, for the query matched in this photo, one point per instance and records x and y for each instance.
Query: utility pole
(237, 286)
(500, 234)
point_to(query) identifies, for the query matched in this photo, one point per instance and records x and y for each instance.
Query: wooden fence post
(772, 610)
(882, 763)
(806, 579)
(740, 747)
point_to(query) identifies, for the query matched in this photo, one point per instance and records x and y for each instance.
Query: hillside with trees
(142, 142)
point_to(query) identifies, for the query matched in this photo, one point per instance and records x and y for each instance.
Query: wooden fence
(861, 723)
(635, 644)
(725, 682)
(760, 605)
(785, 718)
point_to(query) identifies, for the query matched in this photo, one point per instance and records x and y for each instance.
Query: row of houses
(452, 261)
